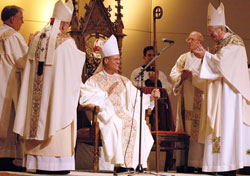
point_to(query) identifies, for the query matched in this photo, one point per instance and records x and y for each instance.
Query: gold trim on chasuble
(248, 152)
(231, 39)
(38, 83)
(195, 115)
(216, 144)
(6, 34)
(114, 86)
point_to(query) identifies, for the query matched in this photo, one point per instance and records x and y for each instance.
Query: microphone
(167, 41)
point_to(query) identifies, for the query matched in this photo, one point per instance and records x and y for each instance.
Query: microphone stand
(139, 167)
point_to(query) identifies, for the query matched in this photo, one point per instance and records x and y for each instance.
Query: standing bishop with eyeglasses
(226, 122)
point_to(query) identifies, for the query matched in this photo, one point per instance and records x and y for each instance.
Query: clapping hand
(185, 74)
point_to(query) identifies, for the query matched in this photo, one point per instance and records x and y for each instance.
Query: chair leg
(148, 168)
(169, 159)
(96, 157)
(186, 143)
(96, 148)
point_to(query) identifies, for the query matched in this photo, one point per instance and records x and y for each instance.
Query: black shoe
(244, 171)
(6, 164)
(183, 169)
(189, 169)
(227, 173)
(198, 170)
(62, 172)
(123, 169)
(13, 168)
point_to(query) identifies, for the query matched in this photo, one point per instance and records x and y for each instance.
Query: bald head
(194, 40)
(198, 35)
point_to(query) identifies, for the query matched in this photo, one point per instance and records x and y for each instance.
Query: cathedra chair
(87, 30)
(168, 137)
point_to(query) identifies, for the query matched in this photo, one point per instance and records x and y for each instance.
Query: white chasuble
(189, 103)
(225, 121)
(46, 113)
(13, 49)
(119, 117)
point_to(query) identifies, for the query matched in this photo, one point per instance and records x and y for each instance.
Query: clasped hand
(155, 94)
(185, 74)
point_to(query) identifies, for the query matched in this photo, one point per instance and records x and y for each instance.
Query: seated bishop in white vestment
(119, 116)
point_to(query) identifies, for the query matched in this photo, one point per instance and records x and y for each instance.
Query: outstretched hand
(199, 52)
(31, 37)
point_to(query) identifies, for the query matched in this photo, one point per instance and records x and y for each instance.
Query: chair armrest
(90, 107)
(147, 116)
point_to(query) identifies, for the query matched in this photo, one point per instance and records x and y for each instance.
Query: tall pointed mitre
(62, 12)
(216, 17)
(110, 48)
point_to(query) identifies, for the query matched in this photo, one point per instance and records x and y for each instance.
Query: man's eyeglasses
(191, 40)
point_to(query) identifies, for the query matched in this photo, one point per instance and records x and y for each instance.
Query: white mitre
(110, 48)
(62, 12)
(216, 17)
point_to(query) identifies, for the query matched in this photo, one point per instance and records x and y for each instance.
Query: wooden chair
(90, 135)
(169, 138)
(167, 142)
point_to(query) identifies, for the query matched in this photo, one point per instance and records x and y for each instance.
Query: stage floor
(86, 173)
